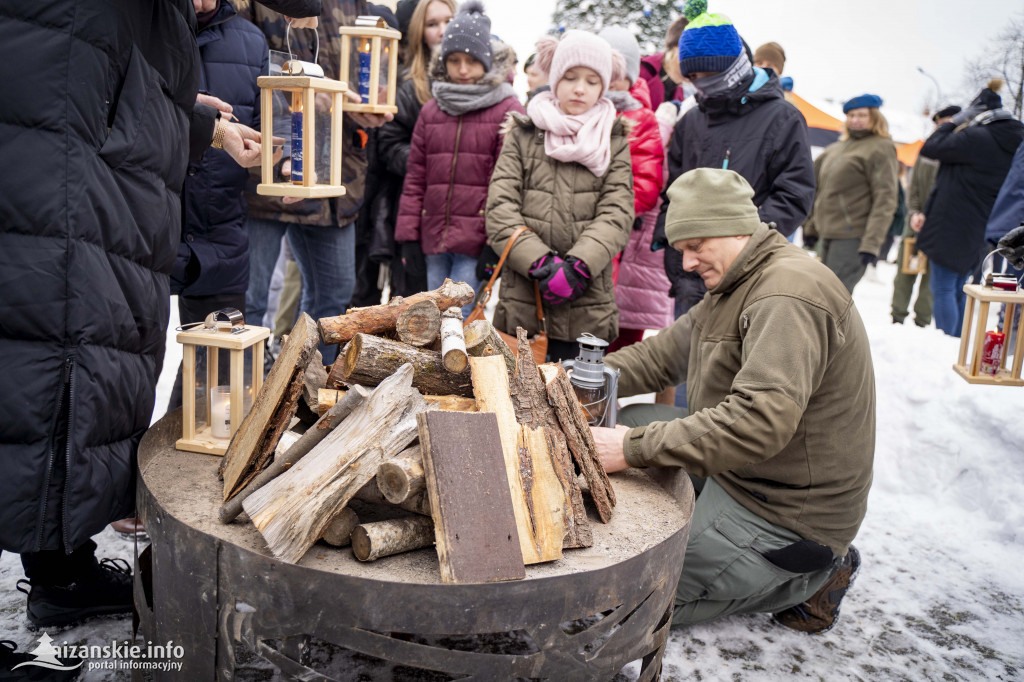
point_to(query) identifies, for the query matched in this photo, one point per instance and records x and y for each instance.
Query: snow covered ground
(941, 592)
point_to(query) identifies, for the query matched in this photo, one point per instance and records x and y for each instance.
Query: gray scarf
(456, 99)
(622, 100)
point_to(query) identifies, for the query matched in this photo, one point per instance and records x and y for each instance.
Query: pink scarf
(585, 138)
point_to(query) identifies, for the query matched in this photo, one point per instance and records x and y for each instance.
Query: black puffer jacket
(974, 163)
(764, 139)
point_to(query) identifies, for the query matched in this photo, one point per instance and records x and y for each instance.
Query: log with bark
(339, 531)
(368, 360)
(449, 403)
(371, 494)
(401, 477)
(380, 319)
(293, 510)
(315, 379)
(252, 446)
(419, 324)
(532, 409)
(372, 541)
(453, 343)
(313, 435)
(482, 340)
(577, 433)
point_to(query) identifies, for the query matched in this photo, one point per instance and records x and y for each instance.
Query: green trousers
(724, 570)
(842, 256)
(903, 288)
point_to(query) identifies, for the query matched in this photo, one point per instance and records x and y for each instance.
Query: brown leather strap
(501, 262)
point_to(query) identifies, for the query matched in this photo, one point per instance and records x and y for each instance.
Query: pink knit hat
(579, 48)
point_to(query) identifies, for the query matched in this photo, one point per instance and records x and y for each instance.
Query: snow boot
(104, 588)
(21, 666)
(820, 613)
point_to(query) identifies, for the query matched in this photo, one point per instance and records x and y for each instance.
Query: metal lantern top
(369, 60)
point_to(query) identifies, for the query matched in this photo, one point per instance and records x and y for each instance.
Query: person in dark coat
(975, 150)
(742, 123)
(106, 123)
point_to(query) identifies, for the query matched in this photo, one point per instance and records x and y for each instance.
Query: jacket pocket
(130, 110)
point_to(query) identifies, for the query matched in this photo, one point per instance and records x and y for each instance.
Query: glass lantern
(217, 391)
(369, 62)
(988, 360)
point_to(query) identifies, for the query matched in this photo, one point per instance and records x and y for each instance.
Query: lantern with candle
(988, 359)
(369, 60)
(212, 410)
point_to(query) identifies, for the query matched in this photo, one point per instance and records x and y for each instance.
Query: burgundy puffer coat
(449, 170)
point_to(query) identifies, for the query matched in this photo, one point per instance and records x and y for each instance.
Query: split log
(417, 504)
(450, 403)
(368, 360)
(315, 379)
(253, 444)
(293, 510)
(339, 530)
(535, 490)
(574, 424)
(378, 319)
(474, 524)
(313, 435)
(453, 343)
(372, 541)
(482, 340)
(530, 399)
(419, 324)
(400, 478)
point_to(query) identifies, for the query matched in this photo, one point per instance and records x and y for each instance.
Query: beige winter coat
(780, 389)
(571, 212)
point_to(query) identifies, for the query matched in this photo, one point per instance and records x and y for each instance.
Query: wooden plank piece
(474, 523)
(326, 397)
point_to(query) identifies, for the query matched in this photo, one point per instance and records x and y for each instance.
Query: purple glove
(560, 281)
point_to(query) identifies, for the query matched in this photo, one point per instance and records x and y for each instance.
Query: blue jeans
(326, 259)
(455, 266)
(950, 300)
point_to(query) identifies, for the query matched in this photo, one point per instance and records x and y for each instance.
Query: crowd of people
(660, 192)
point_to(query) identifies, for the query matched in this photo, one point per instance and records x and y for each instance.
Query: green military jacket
(780, 389)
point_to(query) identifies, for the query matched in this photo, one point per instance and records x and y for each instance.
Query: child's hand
(560, 281)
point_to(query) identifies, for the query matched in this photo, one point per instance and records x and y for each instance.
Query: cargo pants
(725, 570)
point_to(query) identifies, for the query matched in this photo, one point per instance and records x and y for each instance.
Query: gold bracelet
(218, 133)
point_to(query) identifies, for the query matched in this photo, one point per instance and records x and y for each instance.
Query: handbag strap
(497, 273)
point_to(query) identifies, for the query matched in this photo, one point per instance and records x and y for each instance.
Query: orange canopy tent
(822, 129)
(907, 153)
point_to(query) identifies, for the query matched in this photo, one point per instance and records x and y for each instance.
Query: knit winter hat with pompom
(709, 43)
(576, 48)
(469, 31)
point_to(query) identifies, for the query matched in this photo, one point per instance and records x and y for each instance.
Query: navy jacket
(1008, 211)
(213, 255)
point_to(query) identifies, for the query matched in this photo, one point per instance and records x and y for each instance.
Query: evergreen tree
(647, 19)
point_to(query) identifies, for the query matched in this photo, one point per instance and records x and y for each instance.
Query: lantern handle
(316, 49)
(231, 318)
(990, 271)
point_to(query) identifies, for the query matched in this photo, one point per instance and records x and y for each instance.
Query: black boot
(101, 588)
(27, 667)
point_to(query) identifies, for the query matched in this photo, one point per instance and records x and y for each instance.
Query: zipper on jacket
(64, 390)
(69, 367)
(451, 189)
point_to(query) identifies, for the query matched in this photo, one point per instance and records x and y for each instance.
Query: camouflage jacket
(353, 165)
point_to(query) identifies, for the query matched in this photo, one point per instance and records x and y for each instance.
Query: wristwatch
(218, 132)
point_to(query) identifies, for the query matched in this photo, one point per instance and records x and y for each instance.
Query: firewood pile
(476, 445)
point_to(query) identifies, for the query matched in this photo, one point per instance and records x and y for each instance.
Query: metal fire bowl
(238, 613)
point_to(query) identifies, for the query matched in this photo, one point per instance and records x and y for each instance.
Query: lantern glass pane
(201, 389)
(360, 67)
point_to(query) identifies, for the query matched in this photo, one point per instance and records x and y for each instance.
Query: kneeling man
(779, 435)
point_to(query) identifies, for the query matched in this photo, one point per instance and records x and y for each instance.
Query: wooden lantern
(224, 411)
(980, 297)
(369, 60)
(302, 81)
(914, 261)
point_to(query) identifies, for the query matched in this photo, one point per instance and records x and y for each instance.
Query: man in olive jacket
(781, 422)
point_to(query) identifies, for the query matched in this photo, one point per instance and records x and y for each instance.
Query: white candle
(220, 411)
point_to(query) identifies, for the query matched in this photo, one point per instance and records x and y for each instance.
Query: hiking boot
(22, 666)
(821, 612)
(104, 589)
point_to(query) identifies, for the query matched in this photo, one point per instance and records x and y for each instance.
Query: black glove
(1011, 247)
(867, 259)
(412, 259)
(486, 263)
(810, 241)
(968, 114)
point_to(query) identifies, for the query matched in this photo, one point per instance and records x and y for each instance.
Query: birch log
(372, 541)
(402, 477)
(379, 319)
(293, 510)
(453, 343)
(419, 324)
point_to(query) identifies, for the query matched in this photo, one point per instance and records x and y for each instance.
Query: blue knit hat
(709, 43)
(861, 101)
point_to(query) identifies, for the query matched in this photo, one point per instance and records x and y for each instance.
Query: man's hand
(916, 221)
(218, 104)
(242, 143)
(609, 446)
(367, 120)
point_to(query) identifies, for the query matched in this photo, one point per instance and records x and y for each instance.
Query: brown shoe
(821, 612)
(130, 528)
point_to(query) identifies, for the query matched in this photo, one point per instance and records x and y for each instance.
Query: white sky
(836, 50)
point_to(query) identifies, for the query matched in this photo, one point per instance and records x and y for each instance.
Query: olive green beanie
(710, 202)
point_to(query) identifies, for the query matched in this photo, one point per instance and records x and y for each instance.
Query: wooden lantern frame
(376, 36)
(910, 251)
(203, 441)
(307, 87)
(984, 297)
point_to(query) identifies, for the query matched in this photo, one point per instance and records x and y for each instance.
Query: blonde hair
(418, 54)
(879, 126)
